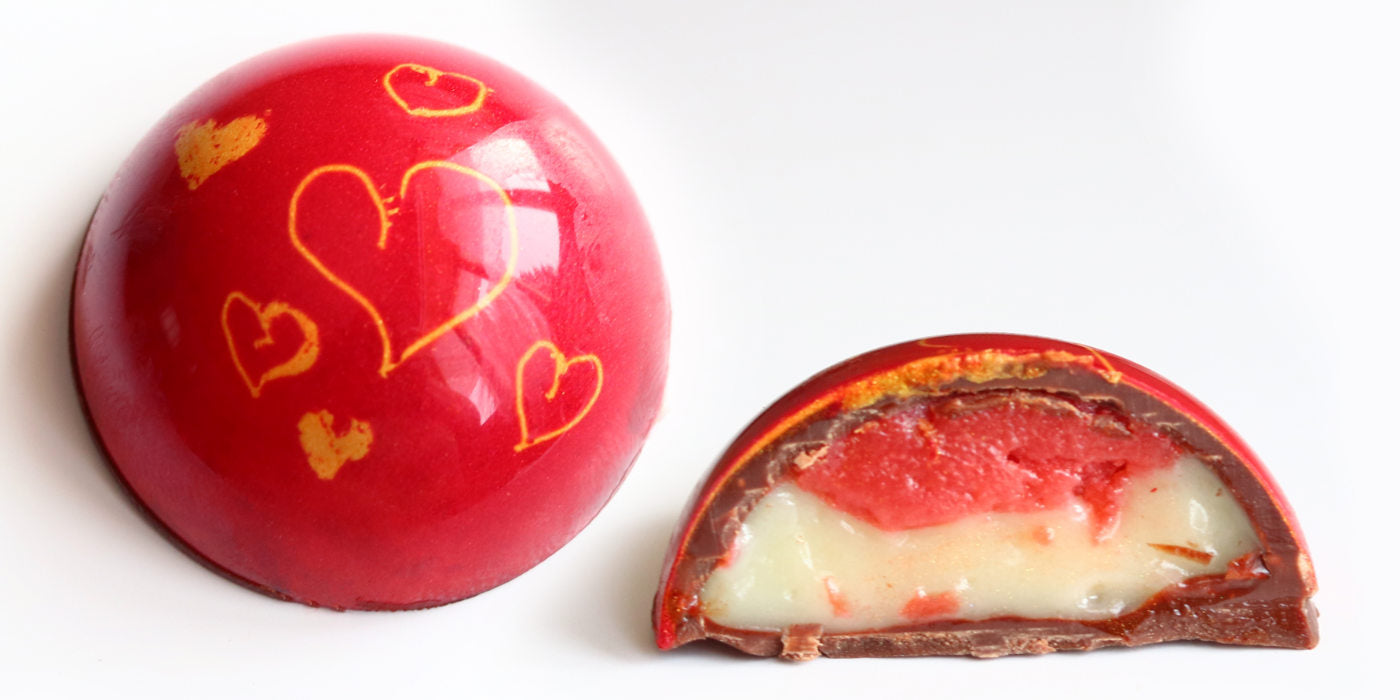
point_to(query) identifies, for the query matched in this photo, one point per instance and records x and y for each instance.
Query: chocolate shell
(1260, 598)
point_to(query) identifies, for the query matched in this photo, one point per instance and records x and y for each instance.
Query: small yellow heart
(202, 148)
(452, 89)
(300, 361)
(326, 451)
(562, 365)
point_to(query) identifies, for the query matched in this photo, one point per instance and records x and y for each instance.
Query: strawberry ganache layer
(932, 463)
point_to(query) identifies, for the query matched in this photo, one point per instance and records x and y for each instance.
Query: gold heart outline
(301, 361)
(387, 361)
(561, 367)
(433, 75)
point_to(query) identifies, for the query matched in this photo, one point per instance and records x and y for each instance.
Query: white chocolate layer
(798, 560)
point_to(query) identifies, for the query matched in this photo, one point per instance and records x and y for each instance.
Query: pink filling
(919, 467)
(923, 606)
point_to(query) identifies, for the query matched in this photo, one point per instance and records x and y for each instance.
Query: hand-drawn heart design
(202, 148)
(562, 365)
(326, 451)
(300, 361)
(462, 94)
(389, 360)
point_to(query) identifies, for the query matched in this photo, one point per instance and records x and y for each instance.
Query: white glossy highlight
(798, 560)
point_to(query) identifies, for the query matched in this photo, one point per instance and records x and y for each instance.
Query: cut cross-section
(985, 495)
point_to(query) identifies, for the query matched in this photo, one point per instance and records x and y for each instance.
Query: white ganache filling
(798, 560)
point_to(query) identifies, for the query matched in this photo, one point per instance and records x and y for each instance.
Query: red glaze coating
(370, 322)
(964, 360)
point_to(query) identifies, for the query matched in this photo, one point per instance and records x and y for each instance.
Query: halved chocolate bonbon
(985, 495)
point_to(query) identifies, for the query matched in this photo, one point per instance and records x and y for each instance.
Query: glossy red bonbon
(370, 322)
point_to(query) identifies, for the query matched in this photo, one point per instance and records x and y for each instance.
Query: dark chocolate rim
(1272, 611)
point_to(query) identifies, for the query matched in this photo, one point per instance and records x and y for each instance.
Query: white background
(1207, 188)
